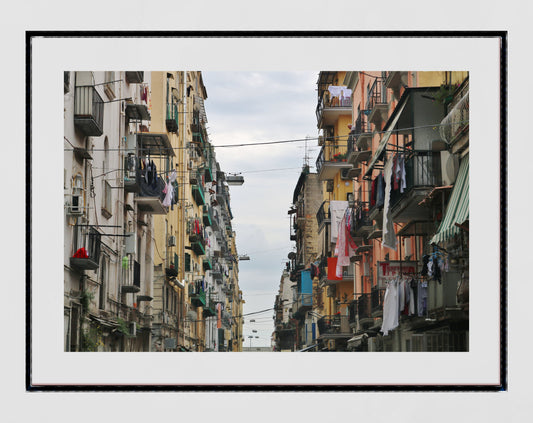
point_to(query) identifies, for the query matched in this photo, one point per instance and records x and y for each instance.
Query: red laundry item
(81, 253)
(332, 265)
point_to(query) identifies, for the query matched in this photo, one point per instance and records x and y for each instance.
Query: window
(107, 201)
(187, 262)
(109, 88)
(107, 206)
(77, 201)
(103, 283)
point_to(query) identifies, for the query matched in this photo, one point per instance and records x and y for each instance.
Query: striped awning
(458, 207)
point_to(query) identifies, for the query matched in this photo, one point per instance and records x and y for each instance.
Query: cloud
(250, 107)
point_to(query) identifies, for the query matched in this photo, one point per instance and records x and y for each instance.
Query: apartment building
(109, 210)
(392, 267)
(150, 257)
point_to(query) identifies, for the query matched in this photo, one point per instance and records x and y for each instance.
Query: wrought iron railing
(361, 125)
(89, 110)
(333, 324)
(376, 95)
(364, 306)
(377, 296)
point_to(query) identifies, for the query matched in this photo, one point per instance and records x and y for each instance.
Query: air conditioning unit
(450, 167)
(133, 329)
(172, 241)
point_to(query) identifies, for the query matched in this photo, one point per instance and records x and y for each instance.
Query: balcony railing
(377, 296)
(171, 120)
(364, 306)
(134, 77)
(197, 187)
(376, 95)
(327, 168)
(197, 294)
(323, 216)
(89, 111)
(363, 134)
(377, 101)
(150, 197)
(333, 103)
(86, 248)
(421, 170)
(456, 121)
(334, 325)
(132, 174)
(362, 221)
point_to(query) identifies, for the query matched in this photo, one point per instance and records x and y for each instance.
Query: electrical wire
(435, 126)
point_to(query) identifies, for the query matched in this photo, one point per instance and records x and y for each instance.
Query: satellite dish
(292, 255)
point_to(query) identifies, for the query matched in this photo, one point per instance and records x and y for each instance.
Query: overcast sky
(249, 107)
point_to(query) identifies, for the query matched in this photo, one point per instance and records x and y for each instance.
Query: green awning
(458, 207)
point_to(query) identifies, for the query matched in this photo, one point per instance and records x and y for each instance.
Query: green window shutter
(187, 262)
(176, 261)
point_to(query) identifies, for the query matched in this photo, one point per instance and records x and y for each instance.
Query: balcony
(88, 111)
(207, 216)
(151, 144)
(377, 102)
(197, 295)
(364, 309)
(327, 168)
(171, 120)
(456, 123)
(216, 273)
(137, 112)
(331, 278)
(302, 303)
(132, 173)
(150, 197)
(362, 224)
(132, 282)
(422, 174)
(395, 80)
(363, 134)
(86, 247)
(134, 77)
(207, 264)
(209, 308)
(376, 297)
(222, 193)
(329, 108)
(198, 192)
(332, 327)
(197, 244)
(323, 216)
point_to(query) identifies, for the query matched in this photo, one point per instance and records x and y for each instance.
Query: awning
(308, 348)
(357, 340)
(385, 139)
(458, 206)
